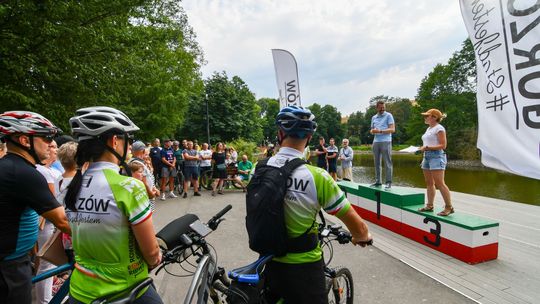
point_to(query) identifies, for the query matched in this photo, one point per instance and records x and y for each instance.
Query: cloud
(347, 51)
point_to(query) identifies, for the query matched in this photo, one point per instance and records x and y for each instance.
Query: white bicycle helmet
(24, 122)
(92, 122)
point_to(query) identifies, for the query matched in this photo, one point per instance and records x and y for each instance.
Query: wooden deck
(513, 278)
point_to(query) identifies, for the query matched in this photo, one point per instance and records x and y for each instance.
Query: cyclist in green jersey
(109, 214)
(299, 277)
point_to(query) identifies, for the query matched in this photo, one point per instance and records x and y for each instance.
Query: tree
(269, 110)
(328, 122)
(450, 88)
(233, 112)
(401, 110)
(354, 127)
(139, 56)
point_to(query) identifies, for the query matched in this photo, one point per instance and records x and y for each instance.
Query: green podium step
(469, 238)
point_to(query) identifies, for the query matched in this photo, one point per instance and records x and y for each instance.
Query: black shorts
(150, 296)
(322, 165)
(296, 283)
(204, 169)
(332, 167)
(219, 173)
(16, 281)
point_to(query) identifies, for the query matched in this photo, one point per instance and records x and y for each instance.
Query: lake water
(461, 176)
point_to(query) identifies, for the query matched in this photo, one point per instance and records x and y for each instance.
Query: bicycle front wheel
(340, 288)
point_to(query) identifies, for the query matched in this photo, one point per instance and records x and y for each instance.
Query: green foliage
(356, 127)
(232, 108)
(450, 88)
(269, 110)
(328, 123)
(359, 123)
(401, 110)
(138, 56)
(244, 147)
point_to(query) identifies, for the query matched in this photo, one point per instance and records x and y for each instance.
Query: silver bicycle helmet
(92, 122)
(28, 123)
(24, 122)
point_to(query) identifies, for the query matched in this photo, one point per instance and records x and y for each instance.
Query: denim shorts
(167, 172)
(191, 172)
(434, 160)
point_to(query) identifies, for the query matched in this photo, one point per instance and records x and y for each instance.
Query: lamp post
(207, 120)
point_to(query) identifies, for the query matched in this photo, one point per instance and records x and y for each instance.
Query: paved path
(378, 277)
(514, 277)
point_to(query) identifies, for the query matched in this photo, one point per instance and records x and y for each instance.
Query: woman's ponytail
(87, 150)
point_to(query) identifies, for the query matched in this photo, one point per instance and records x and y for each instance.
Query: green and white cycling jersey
(106, 251)
(309, 189)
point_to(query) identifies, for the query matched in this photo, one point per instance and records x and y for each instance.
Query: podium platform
(469, 238)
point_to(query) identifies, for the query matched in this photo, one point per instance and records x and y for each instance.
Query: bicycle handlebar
(183, 236)
(216, 219)
(342, 236)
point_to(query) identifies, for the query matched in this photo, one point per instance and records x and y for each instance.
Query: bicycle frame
(64, 289)
(183, 235)
(199, 283)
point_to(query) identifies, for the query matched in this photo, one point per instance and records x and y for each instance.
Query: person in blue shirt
(382, 127)
(168, 169)
(155, 156)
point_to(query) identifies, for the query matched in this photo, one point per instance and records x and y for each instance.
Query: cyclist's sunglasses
(128, 137)
(46, 138)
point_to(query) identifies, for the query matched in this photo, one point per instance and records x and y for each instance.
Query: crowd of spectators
(328, 156)
(180, 165)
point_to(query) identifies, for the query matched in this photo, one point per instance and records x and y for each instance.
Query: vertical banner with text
(287, 78)
(506, 39)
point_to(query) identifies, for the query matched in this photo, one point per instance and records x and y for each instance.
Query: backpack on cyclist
(265, 219)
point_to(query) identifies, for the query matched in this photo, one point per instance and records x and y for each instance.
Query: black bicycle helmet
(296, 121)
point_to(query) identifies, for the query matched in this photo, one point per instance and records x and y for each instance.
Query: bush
(354, 140)
(244, 147)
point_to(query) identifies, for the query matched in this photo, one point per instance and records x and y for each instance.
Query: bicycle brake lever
(344, 237)
(159, 268)
(214, 224)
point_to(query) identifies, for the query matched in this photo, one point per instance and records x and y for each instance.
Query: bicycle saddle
(250, 273)
(170, 236)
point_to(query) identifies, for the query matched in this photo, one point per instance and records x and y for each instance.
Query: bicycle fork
(336, 289)
(221, 283)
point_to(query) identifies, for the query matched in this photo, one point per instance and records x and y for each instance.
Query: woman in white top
(434, 162)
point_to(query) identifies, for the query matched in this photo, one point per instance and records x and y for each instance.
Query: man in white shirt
(346, 155)
(206, 161)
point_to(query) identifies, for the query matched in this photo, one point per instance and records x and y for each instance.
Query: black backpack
(265, 219)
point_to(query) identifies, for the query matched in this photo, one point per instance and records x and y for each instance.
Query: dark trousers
(149, 297)
(296, 283)
(16, 281)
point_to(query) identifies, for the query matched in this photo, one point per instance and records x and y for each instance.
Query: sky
(347, 51)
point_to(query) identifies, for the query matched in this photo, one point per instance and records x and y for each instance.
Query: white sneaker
(171, 195)
(162, 197)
